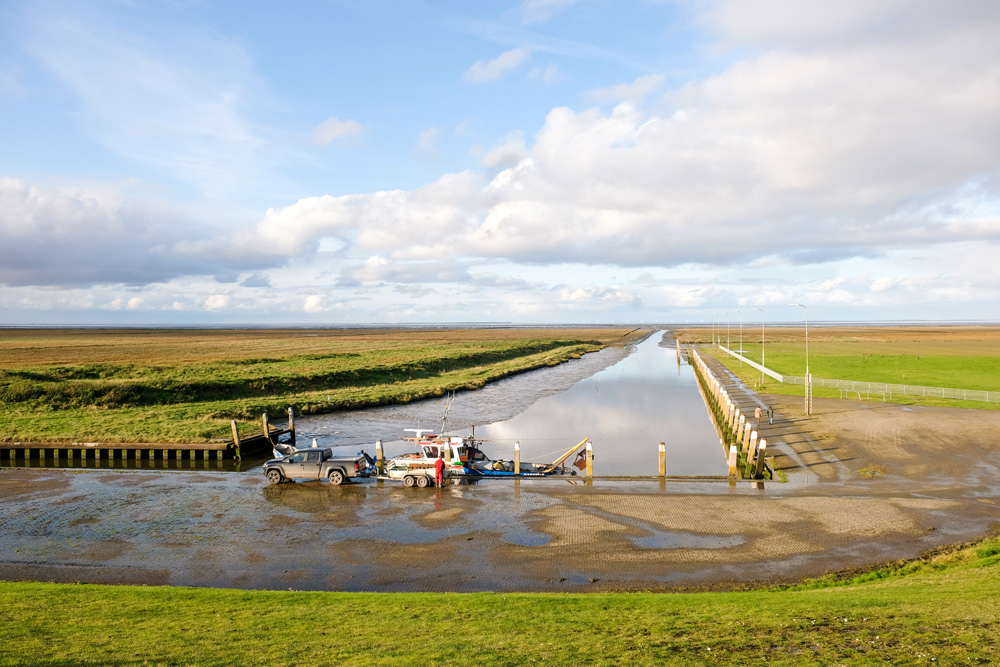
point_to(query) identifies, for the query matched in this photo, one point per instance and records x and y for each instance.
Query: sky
(331, 162)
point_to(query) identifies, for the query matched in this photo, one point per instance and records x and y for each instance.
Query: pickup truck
(317, 463)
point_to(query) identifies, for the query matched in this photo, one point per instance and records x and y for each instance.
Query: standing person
(770, 415)
(756, 414)
(439, 471)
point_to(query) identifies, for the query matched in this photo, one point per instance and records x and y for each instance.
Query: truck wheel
(409, 480)
(423, 481)
(336, 477)
(273, 476)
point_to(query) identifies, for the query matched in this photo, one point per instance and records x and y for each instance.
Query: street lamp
(808, 377)
(741, 336)
(762, 365)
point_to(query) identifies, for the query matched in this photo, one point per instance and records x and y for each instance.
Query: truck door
(312, 465)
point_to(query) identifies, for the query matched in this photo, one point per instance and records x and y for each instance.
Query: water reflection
(627, 410)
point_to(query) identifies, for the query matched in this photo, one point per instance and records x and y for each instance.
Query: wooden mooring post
(663, 459)
(590, 460)
(517, 459)
(236, 439)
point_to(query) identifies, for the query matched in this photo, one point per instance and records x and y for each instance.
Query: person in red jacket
(439, 471)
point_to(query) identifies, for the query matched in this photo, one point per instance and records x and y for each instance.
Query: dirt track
(868, 482)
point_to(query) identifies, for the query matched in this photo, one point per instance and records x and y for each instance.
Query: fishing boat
(464, 458)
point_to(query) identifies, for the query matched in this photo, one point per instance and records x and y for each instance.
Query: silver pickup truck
(317, 463)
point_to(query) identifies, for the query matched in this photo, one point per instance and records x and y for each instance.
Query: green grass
(941, 610)
(926, 357)
(186, 386)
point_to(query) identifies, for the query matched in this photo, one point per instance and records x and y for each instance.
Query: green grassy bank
(952, 357)
(186, 385)
(941, 610)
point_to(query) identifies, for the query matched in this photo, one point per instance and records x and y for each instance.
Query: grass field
(953, 357)
(940, 610)
(185, 385)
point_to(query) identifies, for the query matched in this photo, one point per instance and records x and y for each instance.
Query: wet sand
(867, 483)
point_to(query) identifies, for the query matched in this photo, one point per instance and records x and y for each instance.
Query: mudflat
(867, 482)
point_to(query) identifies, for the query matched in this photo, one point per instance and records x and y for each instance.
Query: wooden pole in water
(379, 456)
(517, 459)
(758, 471)
(663, 459)
(753, 445)
(590, 460)
(291, 424)
(236, 439)
(733, 458)
(267, 426)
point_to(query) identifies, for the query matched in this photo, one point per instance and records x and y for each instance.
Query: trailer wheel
(409, 480)
(336, 477)
(273, 476)
(423, 481)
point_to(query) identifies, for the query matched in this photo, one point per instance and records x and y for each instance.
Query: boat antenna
(447, 407)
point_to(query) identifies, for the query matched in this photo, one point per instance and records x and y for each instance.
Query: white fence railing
(879, 388)
(753, 364)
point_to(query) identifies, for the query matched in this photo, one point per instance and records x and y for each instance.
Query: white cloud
(217, 302)
(627, 92)
(320, 303)
(491, 70)
(427, 143)
(87, 235)
(607, 294)
(507, 152)
(333, 128)
(170, 97)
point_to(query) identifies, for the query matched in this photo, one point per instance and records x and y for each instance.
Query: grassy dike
(186, 385)
(953, 357)
(938, 610)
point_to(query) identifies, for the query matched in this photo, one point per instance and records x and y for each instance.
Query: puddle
(526, 538)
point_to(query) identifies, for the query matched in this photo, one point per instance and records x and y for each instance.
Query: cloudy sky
(544, 161)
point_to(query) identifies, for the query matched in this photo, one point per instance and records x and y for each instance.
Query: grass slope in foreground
(186, 385)
(941, 610)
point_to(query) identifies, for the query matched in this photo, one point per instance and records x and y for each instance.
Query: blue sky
(541, 161)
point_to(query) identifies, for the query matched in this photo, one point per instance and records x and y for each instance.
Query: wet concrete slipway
(558, 534)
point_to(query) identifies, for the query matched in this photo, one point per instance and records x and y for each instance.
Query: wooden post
(739, 431)
(758, 471)
(517, 459)
(291, 424)
(733, 459)
(236, 439)
(663, 459)
(218, 455)
(745, 439)
(753, 445)
(379, 457)
(590, 460)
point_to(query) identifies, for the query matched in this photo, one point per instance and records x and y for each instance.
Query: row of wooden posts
(746, 455)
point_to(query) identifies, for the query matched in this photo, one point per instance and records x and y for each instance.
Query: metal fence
(888, 390)
(879, 388)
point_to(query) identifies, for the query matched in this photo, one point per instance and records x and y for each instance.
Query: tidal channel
(626, 408)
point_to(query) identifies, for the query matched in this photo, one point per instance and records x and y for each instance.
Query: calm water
(626, 410)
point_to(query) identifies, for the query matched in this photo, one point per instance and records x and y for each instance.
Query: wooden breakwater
(747, 457)
(112, 453)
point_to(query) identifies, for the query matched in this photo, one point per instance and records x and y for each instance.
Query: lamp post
(740, 312)
(728, 346)
(808, 377)
(761, 345)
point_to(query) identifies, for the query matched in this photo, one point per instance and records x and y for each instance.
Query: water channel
(626, 409)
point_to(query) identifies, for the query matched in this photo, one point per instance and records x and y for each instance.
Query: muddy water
(626, 402)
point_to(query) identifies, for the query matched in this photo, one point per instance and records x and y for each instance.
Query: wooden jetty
(108, 452)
